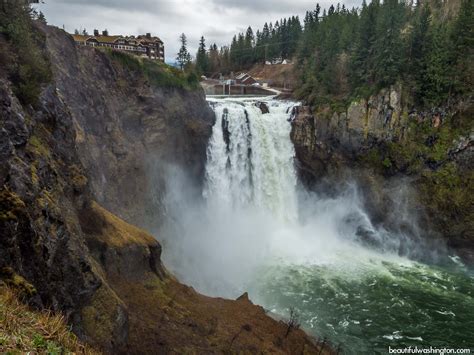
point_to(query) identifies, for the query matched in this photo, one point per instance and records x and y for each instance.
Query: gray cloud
(134, 6)
(277, 6)
(266, 6)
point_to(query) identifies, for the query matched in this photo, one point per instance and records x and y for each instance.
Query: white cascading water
(250, 158)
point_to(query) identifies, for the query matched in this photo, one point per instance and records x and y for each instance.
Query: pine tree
(462, 38)
(183, 57)
(41, 17)
(437, 82)
(214, 60)
(363, 57)
(420, 43)
(202, 60)
(388, 45)
(248, 49)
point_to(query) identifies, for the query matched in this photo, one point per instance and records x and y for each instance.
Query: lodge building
(144, 46)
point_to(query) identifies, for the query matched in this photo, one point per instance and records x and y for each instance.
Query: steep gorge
(86, 148)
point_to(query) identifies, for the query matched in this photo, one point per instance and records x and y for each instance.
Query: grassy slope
(25, 330)
(277, 75)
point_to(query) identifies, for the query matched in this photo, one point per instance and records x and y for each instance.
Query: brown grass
(278, 75)
(25, 330)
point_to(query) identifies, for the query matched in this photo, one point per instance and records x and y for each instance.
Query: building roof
(242, 75)
(149, 39)
(101, 39)
(80, 38)
(112, 39)
(106, 39)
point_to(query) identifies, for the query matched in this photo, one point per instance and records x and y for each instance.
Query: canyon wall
(397, 155)
(126, 126)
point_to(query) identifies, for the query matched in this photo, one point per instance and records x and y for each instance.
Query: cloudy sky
(216, 20)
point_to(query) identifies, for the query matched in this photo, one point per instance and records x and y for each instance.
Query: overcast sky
(216, 20)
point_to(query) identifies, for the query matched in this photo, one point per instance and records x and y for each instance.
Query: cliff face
(73, 162)
(384, 144)
(125, 125)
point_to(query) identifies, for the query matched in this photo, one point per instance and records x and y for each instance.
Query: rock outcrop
(383, 142)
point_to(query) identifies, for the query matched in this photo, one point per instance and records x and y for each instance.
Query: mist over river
(256, 229)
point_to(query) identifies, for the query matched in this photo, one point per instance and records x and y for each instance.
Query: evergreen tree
(214, 60)
(388, 44)
(24, 60)
(248, 47)
(41, 17)
(419, 51)
(462, 39)
(183, 58)
(437, 82)
(363, 57)
(202, 60)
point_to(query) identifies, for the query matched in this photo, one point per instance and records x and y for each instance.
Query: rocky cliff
(126, 125)
(76, 161)
(398, 155)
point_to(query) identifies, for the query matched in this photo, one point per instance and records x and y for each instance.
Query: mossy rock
(34, 174)
(78, 179)
(36, 146)
(105, 319)
(11, 205)
(48, 202)
(22, 286)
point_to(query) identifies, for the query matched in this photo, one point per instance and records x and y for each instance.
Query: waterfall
(253, 229)
(250, 158)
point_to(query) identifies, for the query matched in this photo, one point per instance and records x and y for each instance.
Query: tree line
(342, 53)
(354, 53)
(279, 40)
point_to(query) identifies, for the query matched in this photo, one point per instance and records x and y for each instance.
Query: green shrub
(27, 66)
(158, 74)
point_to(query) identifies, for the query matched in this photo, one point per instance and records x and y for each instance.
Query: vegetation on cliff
(21, 51)
(158, 74)
(445, 184)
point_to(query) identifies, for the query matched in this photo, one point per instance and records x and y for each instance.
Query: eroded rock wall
(126, 127)
(386, 146)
